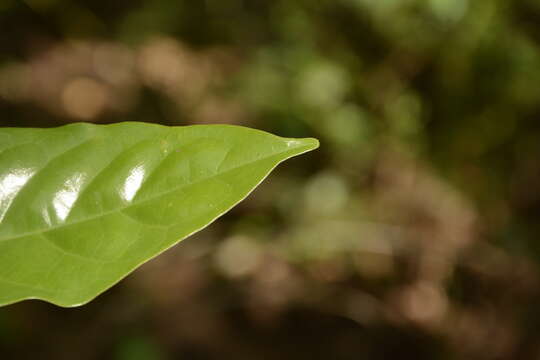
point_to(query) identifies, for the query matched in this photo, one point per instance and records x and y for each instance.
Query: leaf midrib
(150, 198)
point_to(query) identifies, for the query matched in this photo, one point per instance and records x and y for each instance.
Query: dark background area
(412, 233)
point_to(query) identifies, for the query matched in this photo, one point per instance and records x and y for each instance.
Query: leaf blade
(90, 203)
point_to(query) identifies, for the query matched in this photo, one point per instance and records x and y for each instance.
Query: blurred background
(412, 233)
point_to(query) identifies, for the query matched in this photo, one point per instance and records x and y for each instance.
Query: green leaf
(83, 205)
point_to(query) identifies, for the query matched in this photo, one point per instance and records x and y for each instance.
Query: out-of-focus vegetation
(411, 234)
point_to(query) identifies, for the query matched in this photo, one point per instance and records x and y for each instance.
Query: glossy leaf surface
(83, 205)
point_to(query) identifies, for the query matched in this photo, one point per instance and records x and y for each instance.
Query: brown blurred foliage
(412, 233)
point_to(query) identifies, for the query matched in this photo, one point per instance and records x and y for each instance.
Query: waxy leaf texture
(83, 205)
